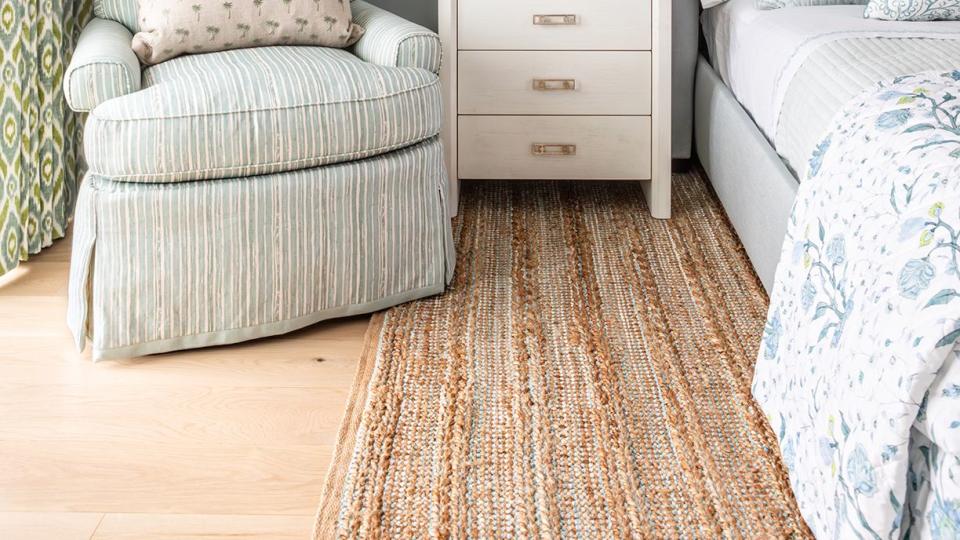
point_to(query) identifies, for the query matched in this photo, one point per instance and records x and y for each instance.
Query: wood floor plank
(188, 414)
(48, 525)
(68, 476)
(46, 350)
(33, 317)
(265, 367)
(325, 354)
(202, 527)
(36, 279)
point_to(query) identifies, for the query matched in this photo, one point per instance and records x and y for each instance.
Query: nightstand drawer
(555, 25)
(554, 82)
(555, 147)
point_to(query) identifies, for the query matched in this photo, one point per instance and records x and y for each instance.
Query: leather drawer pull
(547, 150)
(554, 20)
(554, 84)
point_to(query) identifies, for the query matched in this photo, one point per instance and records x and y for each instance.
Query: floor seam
(97, 528)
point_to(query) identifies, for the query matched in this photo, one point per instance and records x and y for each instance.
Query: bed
(775, 78)
(768, 94)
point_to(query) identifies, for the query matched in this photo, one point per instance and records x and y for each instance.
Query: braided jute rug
(586, 376)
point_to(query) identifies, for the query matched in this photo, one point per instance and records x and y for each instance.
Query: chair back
(122, 11)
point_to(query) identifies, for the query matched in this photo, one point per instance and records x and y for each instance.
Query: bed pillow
(777, 4)
(916, 10)
(169, 28)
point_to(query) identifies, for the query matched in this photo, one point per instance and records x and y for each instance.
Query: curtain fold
(40, 138)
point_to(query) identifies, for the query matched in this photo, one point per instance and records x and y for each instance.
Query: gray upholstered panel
(754, 185)
(686, 41)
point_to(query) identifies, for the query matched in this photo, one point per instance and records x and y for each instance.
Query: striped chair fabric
(247, 193)
(103, 66)
(122, 11)
(161, 267)
(259, 111)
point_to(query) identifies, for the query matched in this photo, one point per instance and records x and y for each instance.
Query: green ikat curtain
(40, 151)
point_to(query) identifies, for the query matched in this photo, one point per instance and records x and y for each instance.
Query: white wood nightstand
(558, 90)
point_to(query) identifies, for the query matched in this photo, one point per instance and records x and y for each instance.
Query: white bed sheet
(756, 52)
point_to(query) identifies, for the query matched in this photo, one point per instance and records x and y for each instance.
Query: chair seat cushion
(259, 111)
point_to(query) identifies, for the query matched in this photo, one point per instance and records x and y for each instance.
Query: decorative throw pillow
(914, 10)
(777, 4)
(169, 28)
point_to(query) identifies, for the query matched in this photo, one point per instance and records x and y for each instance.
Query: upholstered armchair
(247, 193)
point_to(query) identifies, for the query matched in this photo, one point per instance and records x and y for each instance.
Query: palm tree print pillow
(170, 28)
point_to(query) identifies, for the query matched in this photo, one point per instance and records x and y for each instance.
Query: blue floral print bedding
(864, 322)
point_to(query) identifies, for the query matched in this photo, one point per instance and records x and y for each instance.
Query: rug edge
(326, 518)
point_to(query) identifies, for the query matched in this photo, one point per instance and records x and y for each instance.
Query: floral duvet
(857, 371)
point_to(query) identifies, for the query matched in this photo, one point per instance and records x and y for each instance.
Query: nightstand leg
(453, 197)
(657, 193)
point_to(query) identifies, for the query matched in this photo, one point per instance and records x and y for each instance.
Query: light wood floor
(226, 442)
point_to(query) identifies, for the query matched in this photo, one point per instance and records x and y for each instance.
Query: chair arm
(103, 66)
(390, 40)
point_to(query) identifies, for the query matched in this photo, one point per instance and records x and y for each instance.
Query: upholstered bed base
(758, 191)
(164, 267)
(756, 188)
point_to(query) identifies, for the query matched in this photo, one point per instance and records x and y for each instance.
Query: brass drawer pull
(554, 20)
(554, 84)
(545, 150)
